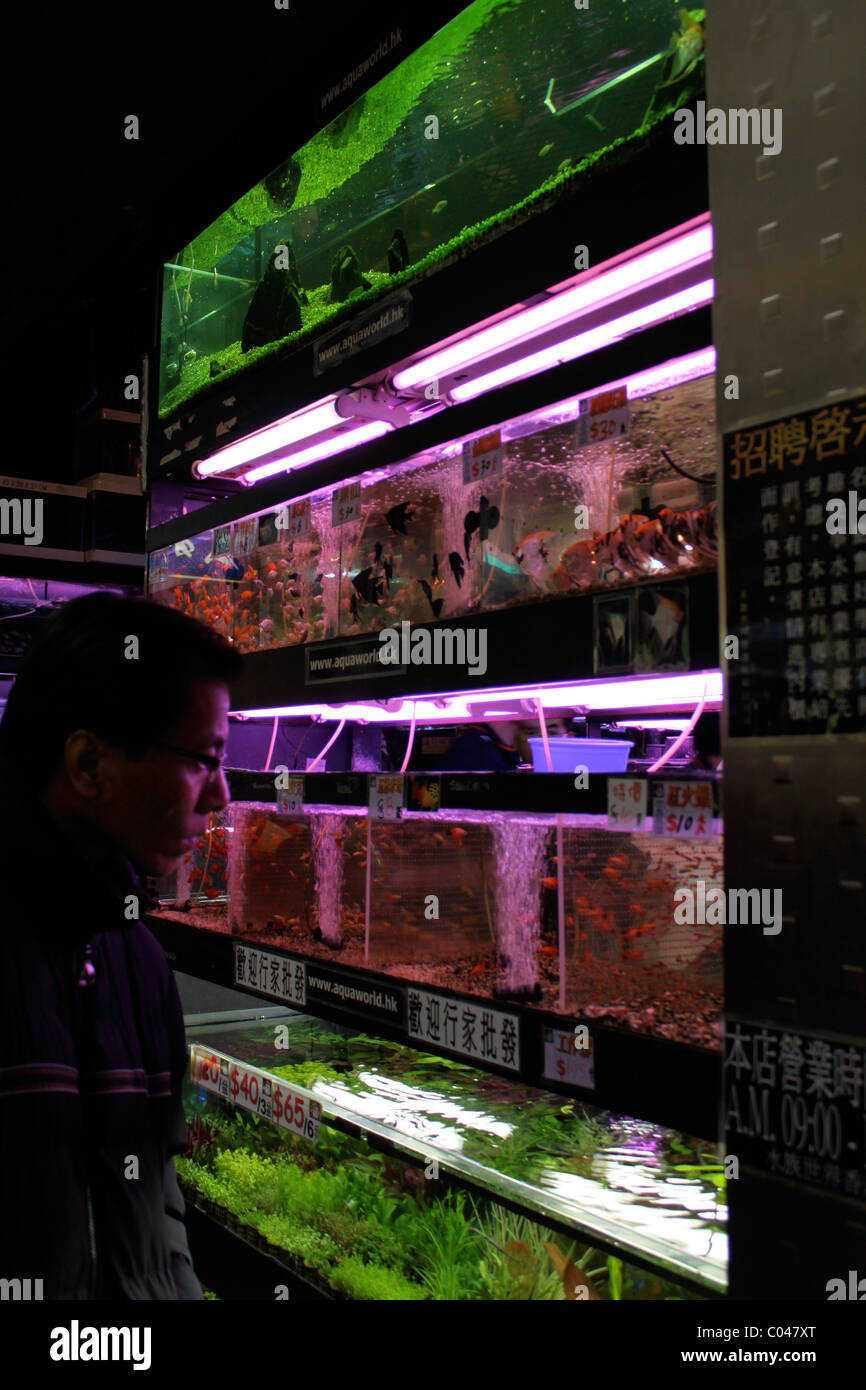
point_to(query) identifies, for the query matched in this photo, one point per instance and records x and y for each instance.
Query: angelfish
(685, 49)
(532, 554)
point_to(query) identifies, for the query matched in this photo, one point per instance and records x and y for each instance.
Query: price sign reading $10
(291, 797)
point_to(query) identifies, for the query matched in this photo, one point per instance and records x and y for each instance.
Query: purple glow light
(325, 448)
(594, 290)
(592, 340)
(682, 690)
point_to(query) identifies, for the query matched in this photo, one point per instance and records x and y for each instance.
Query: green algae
(563, 183)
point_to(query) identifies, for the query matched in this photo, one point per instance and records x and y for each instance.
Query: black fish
(435, 575)
(457, 567)
(378, 554)
(388, 567)
(482, 521)
(398, 516)
(353, 605)
(435, 603)
(398, 253)
(368, 585)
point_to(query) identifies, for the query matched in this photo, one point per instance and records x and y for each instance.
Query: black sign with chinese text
(796, 573)
(794, 1106)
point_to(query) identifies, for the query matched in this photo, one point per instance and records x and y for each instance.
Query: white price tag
(291, 797)
(386, 797)
(251, 1089)
(482, 458)
(245, 537)
(683, 809)
(346, 504)
(565, 1061)
(295, 520)
(626, 802)
(602, 417)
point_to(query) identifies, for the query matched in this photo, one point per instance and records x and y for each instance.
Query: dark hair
(78, 675)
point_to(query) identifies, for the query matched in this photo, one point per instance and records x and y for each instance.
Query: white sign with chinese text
(626, 802)
(469, 1029)
(346, 504)
(482, 458)
(565, 1061)
(683, 809)
(386, 797)
(281, 977)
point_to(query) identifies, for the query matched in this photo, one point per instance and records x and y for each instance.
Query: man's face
(155, 807)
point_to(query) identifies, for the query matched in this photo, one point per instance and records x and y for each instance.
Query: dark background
(224, 93)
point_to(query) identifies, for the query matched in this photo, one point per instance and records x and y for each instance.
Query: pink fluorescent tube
(639, 272)
(683, 689)
(590, 341)
(325, 448)
(282, 434)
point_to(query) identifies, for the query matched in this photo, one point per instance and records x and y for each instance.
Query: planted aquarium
(508, 107)
(613, 950)
(559, 516)
(599, 1207)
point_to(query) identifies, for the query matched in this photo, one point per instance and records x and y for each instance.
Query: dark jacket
(90, 1078)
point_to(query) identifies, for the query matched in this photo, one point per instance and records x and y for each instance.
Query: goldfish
(480, 968)
(656, 885)
(548, 951)
(459, 833)
(612, 875)
(633, 955)
(548, 882)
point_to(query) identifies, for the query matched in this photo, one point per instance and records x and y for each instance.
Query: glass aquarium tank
(600, 1207)
(299, 883)
(563, 517)
(505, 109)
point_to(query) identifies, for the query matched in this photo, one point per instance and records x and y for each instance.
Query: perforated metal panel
(790, 327)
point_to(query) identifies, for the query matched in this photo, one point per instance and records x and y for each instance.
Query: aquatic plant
(449, 1250)
(200, 1137)
(369, 1281)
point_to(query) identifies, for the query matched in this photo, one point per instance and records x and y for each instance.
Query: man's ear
(83, 756)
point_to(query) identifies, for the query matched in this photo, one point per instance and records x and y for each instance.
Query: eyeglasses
(208, 762)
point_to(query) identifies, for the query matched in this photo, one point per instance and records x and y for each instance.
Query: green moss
(362, 1281)
(565, 183)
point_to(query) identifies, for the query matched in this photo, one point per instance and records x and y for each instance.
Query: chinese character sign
(796, 576)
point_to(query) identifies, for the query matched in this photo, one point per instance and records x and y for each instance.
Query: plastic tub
(595, 754)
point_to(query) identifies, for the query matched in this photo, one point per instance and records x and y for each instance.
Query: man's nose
(216, 794)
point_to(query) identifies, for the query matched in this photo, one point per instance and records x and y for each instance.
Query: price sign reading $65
(254, 1090)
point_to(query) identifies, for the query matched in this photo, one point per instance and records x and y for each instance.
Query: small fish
(565, 165)
(547, 882)
(440, 206)
(388, 569)
(480, 968)
(655, 885)
(398, 516)
(435, 603)
(483, 521)
(378, 554)
(353, 606)
(684, 51)
(458, 833)
(368, 586)
(545, 150)
(435, 574)
(548, 951)
(456, 565)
